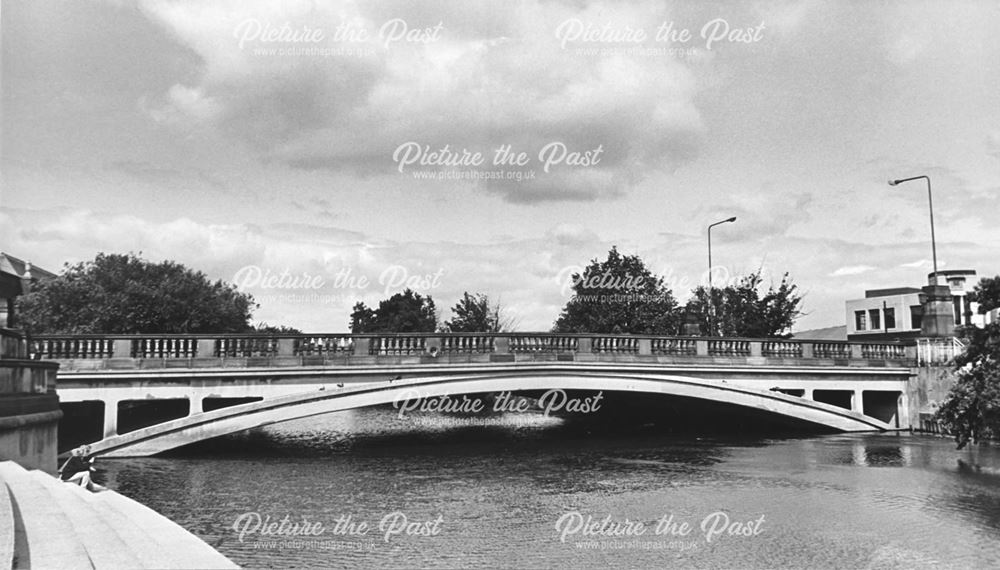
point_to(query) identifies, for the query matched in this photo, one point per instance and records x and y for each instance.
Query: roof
(872, 293)
(15, 266)
(828, 333)
(952, 273)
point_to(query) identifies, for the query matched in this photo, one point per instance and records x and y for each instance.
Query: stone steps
(46, 523)
(51, 540)
(104, 545)
(6, 529)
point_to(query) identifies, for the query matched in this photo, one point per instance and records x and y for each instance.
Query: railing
(836, 350)
(65, 348)
(938, 352)
(728, 347)
(882, 351)
(614, 345)
(164, 348)
(674, 346)
(477, 344)
(319, 347)
(544, 343)
(398, 346)
(781, 349)
(246, 347)
(324, 345)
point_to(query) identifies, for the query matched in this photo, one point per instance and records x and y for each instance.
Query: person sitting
(77, 470)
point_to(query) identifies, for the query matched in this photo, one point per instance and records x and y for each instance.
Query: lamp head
(733, 219)
(893, 182)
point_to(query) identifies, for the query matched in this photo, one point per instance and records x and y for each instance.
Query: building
(16, 278)
(896, 314)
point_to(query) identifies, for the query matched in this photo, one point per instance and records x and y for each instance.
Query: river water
(529, 491)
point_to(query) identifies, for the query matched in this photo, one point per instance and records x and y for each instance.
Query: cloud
(483, 81)
(993, 144)
(852, 270)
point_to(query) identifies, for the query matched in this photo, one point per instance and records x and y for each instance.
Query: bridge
(154, 393)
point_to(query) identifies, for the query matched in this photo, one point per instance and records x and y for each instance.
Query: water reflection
(881, 455)
(829, 502)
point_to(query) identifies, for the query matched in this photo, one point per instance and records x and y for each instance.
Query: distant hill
(829, 333)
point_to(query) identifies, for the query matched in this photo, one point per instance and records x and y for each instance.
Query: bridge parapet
(253, 350)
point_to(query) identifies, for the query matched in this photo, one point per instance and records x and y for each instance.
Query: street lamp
(930, 202)
(711, 320)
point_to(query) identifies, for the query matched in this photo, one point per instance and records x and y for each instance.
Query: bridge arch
(198, 427)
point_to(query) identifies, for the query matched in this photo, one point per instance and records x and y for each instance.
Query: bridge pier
(857, 401)
(110, 418)
(196, 405)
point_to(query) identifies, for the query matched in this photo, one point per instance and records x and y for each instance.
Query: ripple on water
(868, 501)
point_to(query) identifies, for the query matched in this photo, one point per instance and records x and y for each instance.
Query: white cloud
(467, 89)
(852, 270)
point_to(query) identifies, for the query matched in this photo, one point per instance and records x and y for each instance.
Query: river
(527, 492)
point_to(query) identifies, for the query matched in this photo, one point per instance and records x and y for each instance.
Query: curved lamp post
(711, 319)
(930, 202)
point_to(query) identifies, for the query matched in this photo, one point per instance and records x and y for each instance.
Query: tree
(740, 310)
(971, 411)
(619, 295)
(403, 312)
(476, 313)
(124, 294)
(362, 318)
(265, 328)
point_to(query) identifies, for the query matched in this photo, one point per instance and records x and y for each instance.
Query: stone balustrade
(443, 347)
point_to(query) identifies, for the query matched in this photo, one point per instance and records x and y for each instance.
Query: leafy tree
(403, 312)
(124, 294)
(362, 318)
(476, 313)
(272, 329)
(740, 310)
(619, 295)
(971, 412)
(987, 294)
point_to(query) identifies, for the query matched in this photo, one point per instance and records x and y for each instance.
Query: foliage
(987, 294)
(402, 312)
(740, 310)
(619, 295)
(476, 313)
(971, 412)
(272, 329)
(125, 294)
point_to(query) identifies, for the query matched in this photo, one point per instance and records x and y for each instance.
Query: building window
(859, 321)
(957, 301)
(890, 318)
(876, 320)
(916, 314)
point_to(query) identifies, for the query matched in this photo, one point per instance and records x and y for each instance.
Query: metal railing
(938, 351)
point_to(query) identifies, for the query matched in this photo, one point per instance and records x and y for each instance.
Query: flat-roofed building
(896, 313)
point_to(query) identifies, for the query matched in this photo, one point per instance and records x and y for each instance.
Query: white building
(893, 314)
(885, 313)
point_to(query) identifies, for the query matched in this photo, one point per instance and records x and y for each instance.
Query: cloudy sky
(247, 138)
